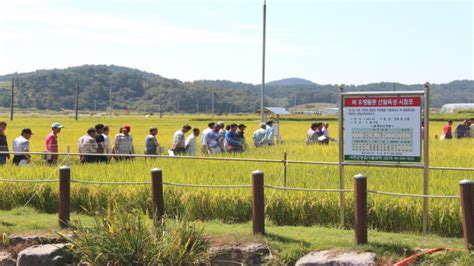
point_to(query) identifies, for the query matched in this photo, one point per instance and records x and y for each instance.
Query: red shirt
(51, 142)
(447, 130)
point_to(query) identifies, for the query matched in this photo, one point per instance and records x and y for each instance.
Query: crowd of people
(95, 146)
(465, 129)
(318, 133)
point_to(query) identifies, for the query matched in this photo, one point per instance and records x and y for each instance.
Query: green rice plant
(123, 236)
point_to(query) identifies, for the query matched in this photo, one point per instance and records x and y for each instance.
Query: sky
(328, 42)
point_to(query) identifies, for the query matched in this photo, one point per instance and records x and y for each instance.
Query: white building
(453, 107)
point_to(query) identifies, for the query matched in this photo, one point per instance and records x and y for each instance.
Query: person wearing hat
(21, 147)
(123, 144)
(260, 136)
(51, 144)
(241, 135)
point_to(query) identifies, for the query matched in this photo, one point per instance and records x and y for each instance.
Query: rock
(6, 259)
(45, 255)
(337, 258)
(34, 240)
(251, 254)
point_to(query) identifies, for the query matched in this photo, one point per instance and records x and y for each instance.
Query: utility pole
(12, 100)
(178, 105)
(294, 99)
(197, 107)
(110, 100)
(262, 89)
(212, 101)
(161, 109)
(95, 105)
(77, 101)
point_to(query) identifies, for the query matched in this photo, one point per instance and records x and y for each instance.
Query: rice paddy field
(386, 213)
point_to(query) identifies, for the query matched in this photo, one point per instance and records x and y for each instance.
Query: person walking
(179, 140)
(209, 128)
(87, 146)
(101, 146)
(270, 133)
(241, 135)
(260, 136)
(191, 142)
(21, 148)
(462, 130)
(222, 132)
(151, 142)
(212, 140)
(232, 139)
(123, 144)
(51, 144)
(105, 134)
(4, 156)
(448, 130)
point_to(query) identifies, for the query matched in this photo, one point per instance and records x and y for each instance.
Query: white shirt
(106, 143)
(269, 135)
(326, 132)
(123, 144)
(21, 144)
(259, 137)
(178, 139)
(204, 132)
(191, 144)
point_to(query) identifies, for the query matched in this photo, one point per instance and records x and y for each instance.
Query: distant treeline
(131, 89)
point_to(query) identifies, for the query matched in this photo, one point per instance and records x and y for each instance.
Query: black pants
(18, 158)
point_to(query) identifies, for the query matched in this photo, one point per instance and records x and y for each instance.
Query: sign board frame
(424, 94)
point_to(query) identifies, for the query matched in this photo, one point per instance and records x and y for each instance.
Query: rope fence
(283, 161)
(259, 207)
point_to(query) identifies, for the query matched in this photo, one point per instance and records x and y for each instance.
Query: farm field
(386, 213)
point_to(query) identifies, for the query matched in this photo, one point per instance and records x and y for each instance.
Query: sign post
(385, 126)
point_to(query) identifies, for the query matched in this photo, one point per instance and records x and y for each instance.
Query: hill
(290, 82)
(133, 89)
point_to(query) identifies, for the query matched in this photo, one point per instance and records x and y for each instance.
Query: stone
(249, 254)
(45, 255)
(337, 258)
(6, 259)
(34, 240)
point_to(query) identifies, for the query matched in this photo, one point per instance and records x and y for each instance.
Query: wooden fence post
(467, 200)
(258, 207)
(360, 190)
(157, 193)
(64, 195)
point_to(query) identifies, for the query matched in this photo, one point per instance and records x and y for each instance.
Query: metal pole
(110, 100)
(12, 100)
(77, 101)
(285, 166)
(64, 195)
(426, 154)
(467, 207)
(212, 101)
(341, 156)
(178, 106)
(157, 193)
(258, 203)
(262, 89)
(360, 200)
(161, 103)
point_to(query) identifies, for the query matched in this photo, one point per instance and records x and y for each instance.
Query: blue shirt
(232, 139)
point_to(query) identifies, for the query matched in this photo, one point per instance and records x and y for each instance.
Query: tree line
(100, 87)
